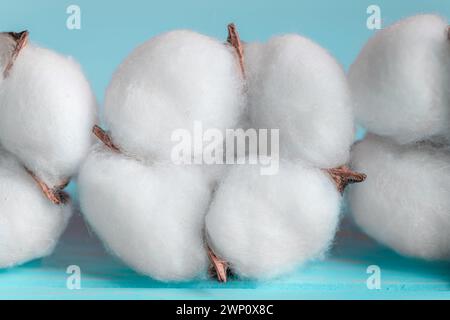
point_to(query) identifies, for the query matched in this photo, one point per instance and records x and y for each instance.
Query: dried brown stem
(21, 40)
(104, 137)
(55, 194)
(219, 267)
(448, 32)
(343, 176)
(235, 41)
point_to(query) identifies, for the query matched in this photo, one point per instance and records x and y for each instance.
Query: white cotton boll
(151, 217)
(264, 226)
(404, 203)
(400, 81)
(296, 86)
(168, 83)
(47, 111)
(30, 225)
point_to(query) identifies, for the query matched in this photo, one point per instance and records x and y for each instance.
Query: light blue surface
(110, 30)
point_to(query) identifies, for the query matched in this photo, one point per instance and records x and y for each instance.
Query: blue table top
(342, 275)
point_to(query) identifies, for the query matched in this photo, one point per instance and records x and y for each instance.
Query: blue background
(110, 30)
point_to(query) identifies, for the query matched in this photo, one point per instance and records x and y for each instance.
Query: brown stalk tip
(218, 268)
(21, 39)
(343, 176)
(235, 41)
(104, 137)
(448, 32)
(56, 194)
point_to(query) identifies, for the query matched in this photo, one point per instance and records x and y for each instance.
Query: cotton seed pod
(259, 226)
(400, 80)
(148, 211)
(168, 83)
(30, 224)
(47, 109)
(264, 226)
(151, 217)
(298, 87)
(405, 201)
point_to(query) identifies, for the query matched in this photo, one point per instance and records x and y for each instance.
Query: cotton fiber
(400, 80)
(30, 224)
(168, 83)
(151, 217)
(149, 211)
(264, 226)
(296, 86)
(405, 201)
(47, 110)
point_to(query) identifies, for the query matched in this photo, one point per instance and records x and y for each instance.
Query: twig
(104, 137)
(55, 194)
(21, 40)
(219, 267)
(235, 41)
(343, 176)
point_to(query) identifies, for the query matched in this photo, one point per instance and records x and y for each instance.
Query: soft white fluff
(296, 86)
(30, 224)
(168, 83)
(267, 225)
(404, 203)
(400, 80)
(47, 111)
(151, 217)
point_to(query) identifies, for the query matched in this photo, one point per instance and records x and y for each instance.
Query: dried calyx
(18, 41)
(342, 176)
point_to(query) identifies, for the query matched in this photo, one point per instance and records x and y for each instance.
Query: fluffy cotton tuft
(400, 81)
(30, 224)
(151, 217)
(47, 111)
(405, 201)
(264, 226)
(168, 83)
(296, 86)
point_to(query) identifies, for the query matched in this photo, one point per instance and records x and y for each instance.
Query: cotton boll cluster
(404, 203)
(168, 83)
(30, 225)
(149, 211)
(296, 86)
(400, 80)
(264, 226)
(401, 85)
(46, 111)
(151, 216)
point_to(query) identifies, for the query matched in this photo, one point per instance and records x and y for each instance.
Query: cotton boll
(405, 201)
(264, 226)
(30, 225)
(296, 86)
(168, 83)
(47, 111)
(400, 80)
(151, 217)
